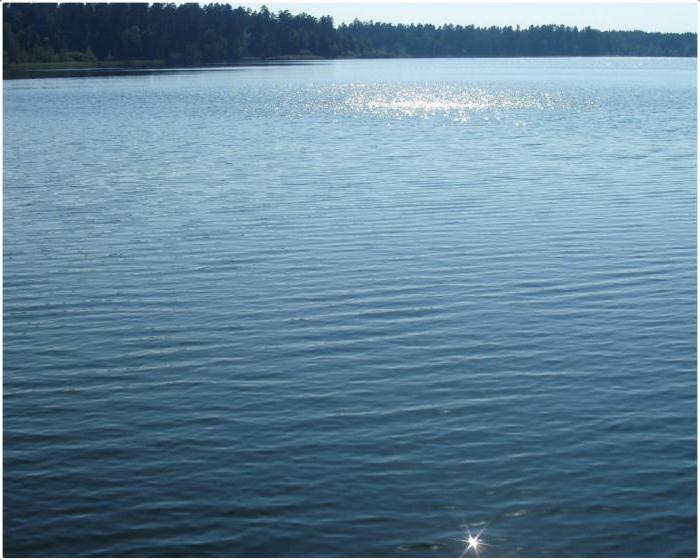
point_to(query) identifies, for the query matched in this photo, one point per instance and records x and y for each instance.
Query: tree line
(218, 33)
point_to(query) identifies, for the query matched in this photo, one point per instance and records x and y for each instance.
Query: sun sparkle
(473, 542)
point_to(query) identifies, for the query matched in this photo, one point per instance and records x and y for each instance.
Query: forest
(220, 33)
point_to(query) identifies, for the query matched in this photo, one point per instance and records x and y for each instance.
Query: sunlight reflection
(457, 103)
(473, 543)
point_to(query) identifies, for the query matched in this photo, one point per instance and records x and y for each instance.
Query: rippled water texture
(347, 308)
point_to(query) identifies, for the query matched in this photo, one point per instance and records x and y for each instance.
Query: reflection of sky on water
(323, 316)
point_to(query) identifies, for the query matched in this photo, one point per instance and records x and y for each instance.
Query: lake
(352, 308)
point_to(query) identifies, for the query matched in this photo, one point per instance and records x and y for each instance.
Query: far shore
(44, 69)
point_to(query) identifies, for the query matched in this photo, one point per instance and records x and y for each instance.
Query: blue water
(351, 308)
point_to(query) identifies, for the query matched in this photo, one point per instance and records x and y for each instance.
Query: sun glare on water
(473, 543)
(457, 103)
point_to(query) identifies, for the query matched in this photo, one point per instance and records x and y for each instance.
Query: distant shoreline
(186, 35)
(44, 69)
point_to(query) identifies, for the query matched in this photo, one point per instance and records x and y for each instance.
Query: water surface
(349, 307)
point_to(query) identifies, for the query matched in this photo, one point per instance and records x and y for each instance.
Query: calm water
(348, 308)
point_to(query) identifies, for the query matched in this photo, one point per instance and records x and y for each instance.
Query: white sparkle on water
(456, 102)
(473, 542)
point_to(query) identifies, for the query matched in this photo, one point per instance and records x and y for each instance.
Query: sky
(666, 17)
